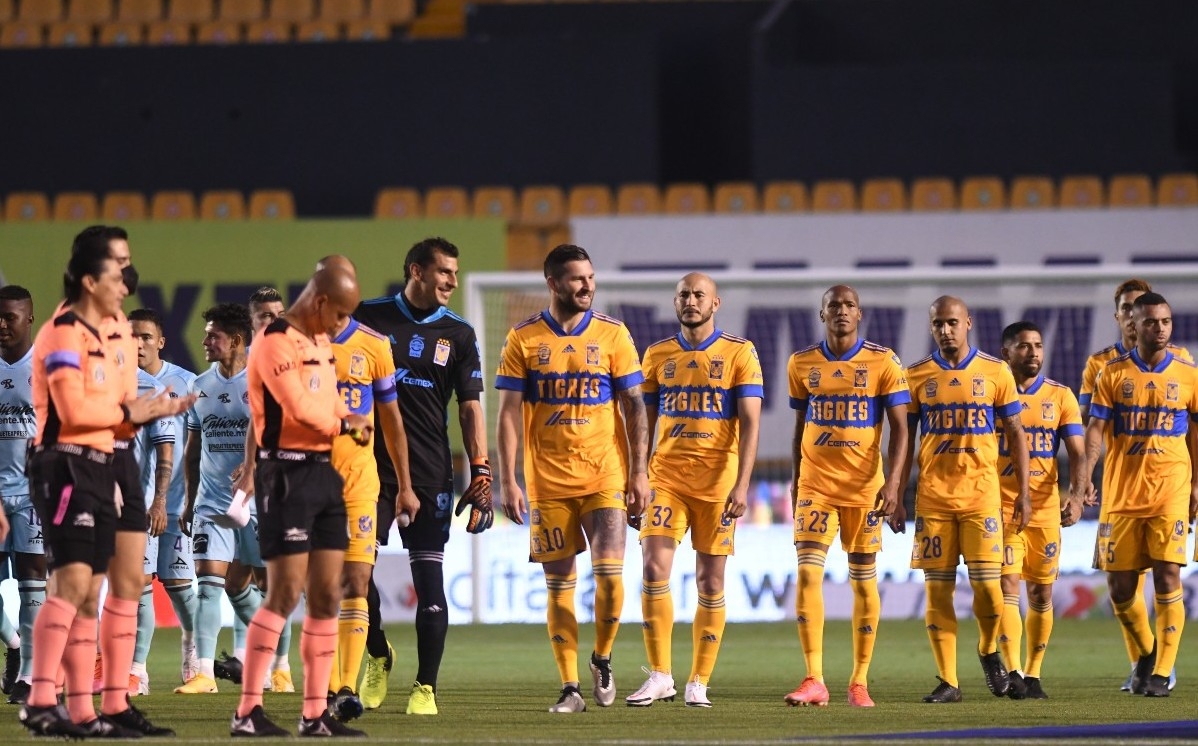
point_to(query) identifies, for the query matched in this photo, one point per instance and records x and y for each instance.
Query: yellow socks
(1170, 621)
(1039, 629)
(987, 603)
(657, 607)
(867, 607)
(1010, 631)
(563, 625)
(352, 625)
(609, 601)
(809, 609)
(941, 620)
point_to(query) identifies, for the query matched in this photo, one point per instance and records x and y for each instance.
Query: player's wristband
(480, 467)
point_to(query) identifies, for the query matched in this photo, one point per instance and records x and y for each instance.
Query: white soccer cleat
(659, 685)
(605, 681)
(696, 694)
(570, 701)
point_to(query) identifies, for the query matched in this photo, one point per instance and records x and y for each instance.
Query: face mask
(130, 276)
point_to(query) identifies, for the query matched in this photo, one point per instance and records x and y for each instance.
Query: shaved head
(950, 324)
(947, 303)
(329, 299)
(842, 291)
(339, 282)
(337, 261)
(696, 279)
(695, 303)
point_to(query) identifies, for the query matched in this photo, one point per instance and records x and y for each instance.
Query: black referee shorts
(73, 496)
(128, 478)
(300, 507)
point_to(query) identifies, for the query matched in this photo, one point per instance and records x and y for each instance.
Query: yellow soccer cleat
(423, 700)
(374, 681)
(280, 681)
(198, 684)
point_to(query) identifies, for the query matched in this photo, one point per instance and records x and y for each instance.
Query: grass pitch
(497, 682)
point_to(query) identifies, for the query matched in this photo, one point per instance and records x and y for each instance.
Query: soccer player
(960, 397)
(1125, 296)
(436, 357)
(168, 555)
(568, 377)
(1050, 416)
(216, 433)
(297, 412)
(704, 386)
(841, 390)
(1142, 405)
(23, 546)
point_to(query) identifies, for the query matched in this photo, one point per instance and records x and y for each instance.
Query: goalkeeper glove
(478, 497)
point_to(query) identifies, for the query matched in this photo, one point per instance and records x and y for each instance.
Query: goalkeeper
(436, 357)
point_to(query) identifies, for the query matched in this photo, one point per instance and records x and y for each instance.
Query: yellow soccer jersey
(574, 443)
(694, 391)
(845, 400)
(958, 410)
(1050, 413)
(1147, 468)
(365, 374)
(1095, 363)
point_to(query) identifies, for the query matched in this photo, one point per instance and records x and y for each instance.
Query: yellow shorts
(557, 524)
(361, 493)
(817, 520)
(1133, 542)
(671, 515)
(1034, 555)
(942, 538)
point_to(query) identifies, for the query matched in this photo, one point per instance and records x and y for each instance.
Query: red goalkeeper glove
(478, 497)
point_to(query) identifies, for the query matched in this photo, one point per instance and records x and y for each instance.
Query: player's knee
(1038, 593)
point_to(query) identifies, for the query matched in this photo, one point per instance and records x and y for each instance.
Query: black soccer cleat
(1144, 666)
(1156, 686)
(255, 725)
(133, 719)
(346, 705)
(227, 667)
(105, 727)
(12, 669)
(996, 674)
(20, 693)
(1017, 686)
(326, 726)
(1034, 690)
(49, 721)
(944, 693)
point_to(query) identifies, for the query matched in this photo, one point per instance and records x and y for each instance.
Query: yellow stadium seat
(396, 12)
(293, 11)
(75, 206)
(1177, 190)
(218, 32)
(983, 193)
(364, 29)
(222, 204)
(7, 8)
(590, 199)
(1081, 192)
(120, 34)
(933, 194)
(736, 197)
(1033, 193)
(69, 34)
(341, 11)
(638, 199)
(26, 206)
(20, 35)
(191, 11)
(834, 196)
(119, 207)
(398, 202)
(1130, 190)
(542, 206)
(525, 248)
(241, 11)
(166, 33)
(268, 32)
(785, 196)
(139, 11)
(271, 204)
(89, 11)
(557, 236)
(39, 11)
(317, 31)
(494, 202)
(445, 202)
(883, 195)
(687, 199)
(173, 206)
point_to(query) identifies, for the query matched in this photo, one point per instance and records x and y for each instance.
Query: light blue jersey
(178, 380)
(145, 445)
(221, 415)
(17, 423)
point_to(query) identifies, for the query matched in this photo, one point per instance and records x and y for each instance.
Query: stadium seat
(883, 195)
(933, 194)
(268, 32)
(342, 11)
(75, 206)
(26, 207)
(638, 199)
(121, 34)
(69, 34)
(218, 32)
(542, 206)
(138, 11)
(687, 199)
(118, 207)
(39, 11)
(365, 29)
(1129, 190)
(396, 12)
(89, 11)
(7, 9)
(557, 236)
(494, 202)
(834, 196)
(191, 11)
(983, 193)
(398, 202)
(271, 204)
(736, 197)
(1177, 190)
(222, 204)
(292, 11)
(20, 35)
(445, 202)
(240, 11)
(525, 248)
(785, 196)
(166, 33)
(590, 199)
(1081, 192)
(1033, 193)
(173, 206)
(317, 31)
